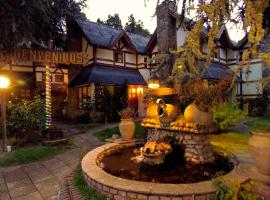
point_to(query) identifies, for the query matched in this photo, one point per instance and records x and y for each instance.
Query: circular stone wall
(123, 189)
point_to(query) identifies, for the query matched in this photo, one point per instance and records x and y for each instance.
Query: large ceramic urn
(192, 114)
(259, 148)
(127, 128)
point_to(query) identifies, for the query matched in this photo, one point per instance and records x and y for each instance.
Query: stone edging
(68, 190)
(123, 189)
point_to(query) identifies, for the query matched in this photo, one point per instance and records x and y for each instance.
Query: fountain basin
(119, 188)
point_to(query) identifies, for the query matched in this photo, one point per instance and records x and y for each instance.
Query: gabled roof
(152, 42)
(140, 42)
(106, 36)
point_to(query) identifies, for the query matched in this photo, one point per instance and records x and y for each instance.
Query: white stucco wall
(105, 53)
(130, 58)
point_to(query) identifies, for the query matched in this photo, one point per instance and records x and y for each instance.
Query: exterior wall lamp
(4, 84)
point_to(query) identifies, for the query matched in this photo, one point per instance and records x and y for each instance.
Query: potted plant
(127, 124)
(259, 147)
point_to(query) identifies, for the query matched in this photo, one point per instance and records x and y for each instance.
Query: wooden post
(4, 119)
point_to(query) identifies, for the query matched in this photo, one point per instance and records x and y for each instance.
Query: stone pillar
(166, 32)
(198, 149)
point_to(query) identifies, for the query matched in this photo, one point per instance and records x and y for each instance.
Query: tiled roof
(103, 35)
(216, 71)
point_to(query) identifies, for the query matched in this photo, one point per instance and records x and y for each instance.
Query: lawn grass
(260, 124)
(34, 153)
(87, 192)
(235, 142)
(107, 133)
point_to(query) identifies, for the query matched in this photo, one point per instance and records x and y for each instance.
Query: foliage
(232, 189)
(25, 116)
(205, 94)
(250, 16)
(87, 192)
(132, 26)
(258, 106)
(102, 135)
(110, 104)
(127, 113)
(113, 21)
(227, 114)
(261, 124)
(137, 27)
(36, 21)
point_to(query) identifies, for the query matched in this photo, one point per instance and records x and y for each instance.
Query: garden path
(41, 180)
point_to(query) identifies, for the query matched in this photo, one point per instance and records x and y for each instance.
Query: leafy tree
(113, 21)
(253, 15)
(36, 21)
(136, 27)
(100, 21)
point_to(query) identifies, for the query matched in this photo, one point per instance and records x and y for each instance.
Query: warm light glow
(153, 83)
(4, 82)
(139, 90)
(180, 66)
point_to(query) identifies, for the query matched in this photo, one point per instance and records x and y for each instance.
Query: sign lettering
(36, 55)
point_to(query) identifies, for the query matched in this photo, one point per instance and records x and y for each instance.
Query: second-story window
(59, 78)
(118, 57)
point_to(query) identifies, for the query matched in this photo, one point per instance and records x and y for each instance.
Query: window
(25, 93)
(84, 96)
(118, 57)
(59, 78)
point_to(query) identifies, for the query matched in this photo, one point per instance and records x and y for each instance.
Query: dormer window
(118, 57)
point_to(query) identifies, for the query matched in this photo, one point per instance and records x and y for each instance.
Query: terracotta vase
(193, 115)
(127, 128)
(259, 148)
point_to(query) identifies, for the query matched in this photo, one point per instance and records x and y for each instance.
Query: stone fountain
(165, 125)
(155, 169)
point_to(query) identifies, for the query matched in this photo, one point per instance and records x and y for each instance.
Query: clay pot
(127, 128)
(193, 115)
(259, 148)
(167, 113)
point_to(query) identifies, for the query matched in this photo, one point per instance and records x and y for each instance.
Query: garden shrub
(232, 189)
(227, 114)
(26, 118)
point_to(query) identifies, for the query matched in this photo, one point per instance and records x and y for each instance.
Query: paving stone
(48, 188)
(34, 167)
(38, 177)
(3, 187)
(22, 191)
(15, 175)
(31, 196)
(19, 183)
(4, 196)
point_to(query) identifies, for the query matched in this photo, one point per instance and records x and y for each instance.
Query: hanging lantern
(153, 83)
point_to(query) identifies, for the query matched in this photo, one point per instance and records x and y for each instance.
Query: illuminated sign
(36, 55)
